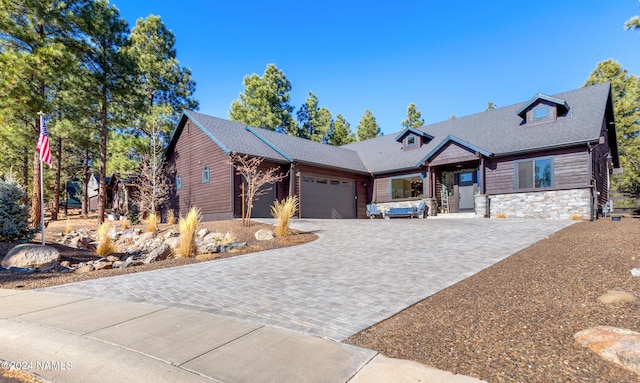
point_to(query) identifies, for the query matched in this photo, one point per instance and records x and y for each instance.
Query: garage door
(324, 197)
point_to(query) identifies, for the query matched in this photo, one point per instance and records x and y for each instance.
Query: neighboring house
(549, 157)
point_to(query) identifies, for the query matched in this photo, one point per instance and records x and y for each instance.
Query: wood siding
(382, 186)
(192, 153)
(452, 153)
(599, 164)
(571, 170)
(281, 188)
(552, 116)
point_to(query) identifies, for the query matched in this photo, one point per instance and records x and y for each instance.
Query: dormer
(542, 109)
(413, 138)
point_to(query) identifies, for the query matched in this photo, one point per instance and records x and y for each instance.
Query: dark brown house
(549, 157)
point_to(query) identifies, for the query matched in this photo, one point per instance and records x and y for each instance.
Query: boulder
(635, 272)
(30, 255)
(160, 253)
(172, 242)
(85, 269)
(103, 265)
(614, 344)
(614, 296)
(80, 242)
(202, 232)
(264, 235)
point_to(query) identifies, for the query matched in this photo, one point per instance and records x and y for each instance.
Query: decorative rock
(80, 242)
(264, 235)
(29, 255)
(202, 232)
(85, 269)
(103, 265)
(172, 242)
(614, 296)
(635, 272)
(170, 234)
(112, 258)
(616, 345)
(158, 254)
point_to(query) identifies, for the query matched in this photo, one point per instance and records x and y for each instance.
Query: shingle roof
(499, 132)
(494, 132)
(235, 137)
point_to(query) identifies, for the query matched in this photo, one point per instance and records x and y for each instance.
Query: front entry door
(465, 191)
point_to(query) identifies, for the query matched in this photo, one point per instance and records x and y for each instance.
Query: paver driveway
(358, 273)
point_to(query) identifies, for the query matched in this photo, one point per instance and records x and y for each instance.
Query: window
(534, 174)
(205, 175)
(178, 182)
(540, 113)
(407, 187)
(411, 141)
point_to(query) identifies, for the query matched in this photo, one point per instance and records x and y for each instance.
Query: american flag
(43, 145)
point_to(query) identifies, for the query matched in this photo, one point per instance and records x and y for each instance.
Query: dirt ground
(515, 321)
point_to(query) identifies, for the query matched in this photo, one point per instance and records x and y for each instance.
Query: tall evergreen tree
(368, 127)
(265, 102)
(414, 117)
(341, 133)
(112, 72)
(314, 123)
(37, 41)
(625, 90)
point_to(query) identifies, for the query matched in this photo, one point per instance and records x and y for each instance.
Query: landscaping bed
(515, 321)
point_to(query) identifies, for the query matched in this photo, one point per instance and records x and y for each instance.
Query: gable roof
(232, 136)
(560, 102)
(497, 132)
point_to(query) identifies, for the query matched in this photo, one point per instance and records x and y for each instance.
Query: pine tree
(14, 214)
(368, 127)
(265, 102)
(341, 133)
(414, 117)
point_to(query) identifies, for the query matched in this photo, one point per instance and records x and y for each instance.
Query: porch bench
(406, 211)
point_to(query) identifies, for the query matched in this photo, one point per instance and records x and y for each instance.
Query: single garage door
(325, 197)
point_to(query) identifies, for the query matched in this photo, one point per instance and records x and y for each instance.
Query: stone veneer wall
(554, 204)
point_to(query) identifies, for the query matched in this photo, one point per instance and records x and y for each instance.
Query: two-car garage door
(327, 197)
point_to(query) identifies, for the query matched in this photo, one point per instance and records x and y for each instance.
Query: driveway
(358, 273)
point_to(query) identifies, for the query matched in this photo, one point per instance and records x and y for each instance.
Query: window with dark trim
(411, 141)
(205, 176)
(178, 182)
(534, 174)
(410, 186)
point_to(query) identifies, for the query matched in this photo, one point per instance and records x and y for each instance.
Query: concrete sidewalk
(71, 338)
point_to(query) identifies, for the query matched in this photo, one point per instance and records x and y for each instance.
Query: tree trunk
(36, 218)
(102, 194)
(25, 175)
(85, 183)
(56, 187)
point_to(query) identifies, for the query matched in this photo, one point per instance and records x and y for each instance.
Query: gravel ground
(515, 321)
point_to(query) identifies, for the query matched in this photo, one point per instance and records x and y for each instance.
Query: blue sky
(447, 57)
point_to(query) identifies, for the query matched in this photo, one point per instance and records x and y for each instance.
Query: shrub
(283, 211)
(501, 215)
(105, 246)
(228, 238)
(14, 215)
(134, 214)
(187, 227)
(576, 217)
(152, 223)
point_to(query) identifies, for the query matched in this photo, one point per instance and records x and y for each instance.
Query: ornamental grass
(283, 211)
(187, 227)
(105, 246)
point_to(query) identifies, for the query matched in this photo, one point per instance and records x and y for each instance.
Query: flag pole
(41, 114)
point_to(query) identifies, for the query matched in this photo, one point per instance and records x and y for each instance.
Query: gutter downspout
(593, 197)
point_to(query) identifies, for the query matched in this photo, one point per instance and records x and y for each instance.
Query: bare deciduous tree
(255, 178)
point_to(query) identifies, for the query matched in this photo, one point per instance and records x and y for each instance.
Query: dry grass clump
(501, 215)
(187, 227)
(152, 223)
(228, 238)
(283, 211)
(576, 217)
(105, 246)
(67, 227)
(124, 225)
(171, 217)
